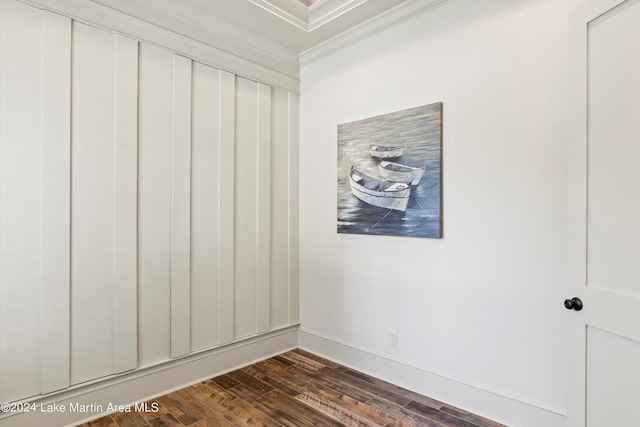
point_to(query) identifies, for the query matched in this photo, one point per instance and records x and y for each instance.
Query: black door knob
(573, 304)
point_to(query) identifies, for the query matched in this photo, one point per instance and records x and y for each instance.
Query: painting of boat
(379, 192)
(401, 173)
(386, 151)
(389, 174)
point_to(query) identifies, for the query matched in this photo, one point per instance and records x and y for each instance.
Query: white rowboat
(386, 151)
(402, 173)
(379, 192)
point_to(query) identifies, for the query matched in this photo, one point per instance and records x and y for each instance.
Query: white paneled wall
(103, 203)
(56, 193)
(253, 141)
(284, 217)
(21, 203)
(205, 149)
(148, 204)
(154, 204)
(181, 207)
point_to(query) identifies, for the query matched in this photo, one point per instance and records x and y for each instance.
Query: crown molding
(291, 11)
(184, 38)
(308, 18)
(325, 11)
(186, 19)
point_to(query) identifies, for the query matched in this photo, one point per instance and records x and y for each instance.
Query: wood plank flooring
(295, 389)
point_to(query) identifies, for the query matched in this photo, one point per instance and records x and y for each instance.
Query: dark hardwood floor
(296, 389)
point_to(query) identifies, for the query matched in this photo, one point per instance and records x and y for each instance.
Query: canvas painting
(390, 174)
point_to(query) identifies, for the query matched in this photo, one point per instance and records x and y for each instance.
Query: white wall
(481, 307)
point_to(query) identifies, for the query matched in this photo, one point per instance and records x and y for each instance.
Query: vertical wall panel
(294, 222)
(246, 223)
(92, 210)
(20, 200)
(205, 158)
(226, 218)
(280, 209)
(56, 157)
(181, 208)
(263, 209)
(154, 204)
(125, 282)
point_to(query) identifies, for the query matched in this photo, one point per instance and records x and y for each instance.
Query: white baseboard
(509, 410)
(148, 383)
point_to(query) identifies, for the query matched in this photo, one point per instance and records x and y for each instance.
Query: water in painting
(385, 201)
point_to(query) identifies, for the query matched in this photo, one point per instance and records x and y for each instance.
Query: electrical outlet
(393, 339)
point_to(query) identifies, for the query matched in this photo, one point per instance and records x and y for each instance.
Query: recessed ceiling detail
(308, 15)
(308, 2)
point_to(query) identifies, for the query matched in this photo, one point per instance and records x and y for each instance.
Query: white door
(604, 206)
